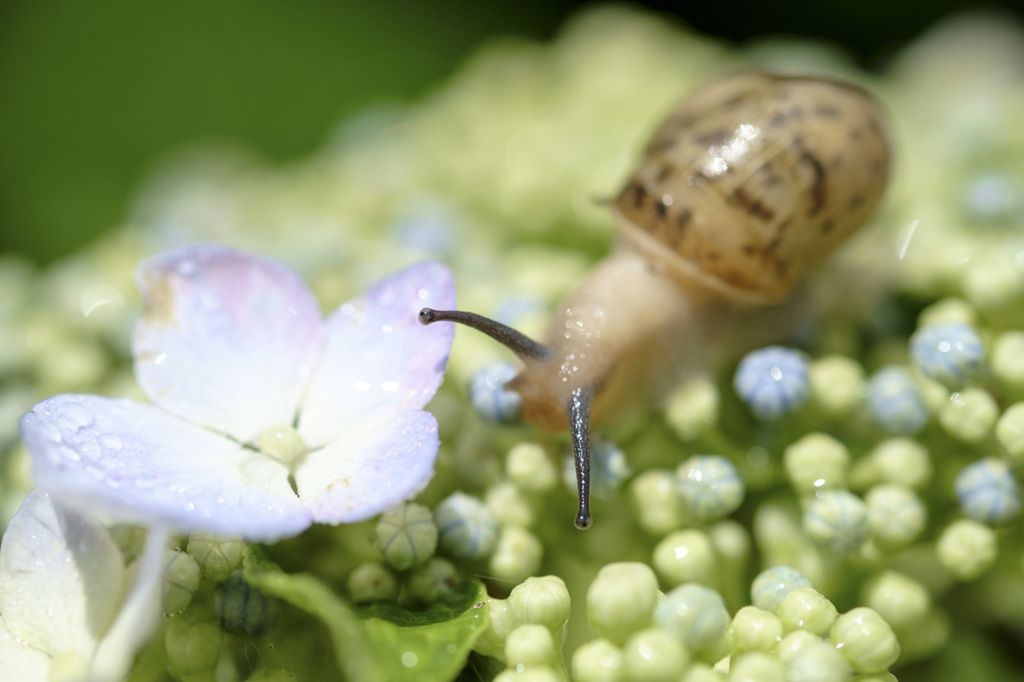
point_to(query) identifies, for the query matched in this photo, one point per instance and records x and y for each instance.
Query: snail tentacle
(578, 411)
(520, 344)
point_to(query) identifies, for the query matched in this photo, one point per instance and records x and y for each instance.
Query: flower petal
(378, 354)
(22, 662)
(382, 460)
(139, 613)
(228, 340)
(61, 577)
(139, 464)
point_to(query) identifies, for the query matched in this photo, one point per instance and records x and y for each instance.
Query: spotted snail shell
(754, 179)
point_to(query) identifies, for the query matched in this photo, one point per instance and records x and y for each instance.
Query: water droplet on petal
(73, 416)
(110, 442)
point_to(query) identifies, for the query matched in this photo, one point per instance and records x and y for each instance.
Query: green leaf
(383, 641)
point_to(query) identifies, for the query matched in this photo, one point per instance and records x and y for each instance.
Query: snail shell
(754, 179)
(748, 184)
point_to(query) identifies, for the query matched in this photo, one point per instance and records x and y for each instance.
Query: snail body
(746, 186)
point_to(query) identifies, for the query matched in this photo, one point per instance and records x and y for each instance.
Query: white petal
(378, 354)
(227, 340)
(380, 461)
(136, 463)
(138, 616)
(20, 661)
(61, 578)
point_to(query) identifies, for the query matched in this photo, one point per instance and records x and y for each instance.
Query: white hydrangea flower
(265, 417)
(69, 608)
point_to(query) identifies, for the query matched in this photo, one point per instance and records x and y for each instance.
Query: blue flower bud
(895, 401)
(772, 585)
(987, 491)
(489, 397)
(773, 381)
(948, 353)
(709, 487)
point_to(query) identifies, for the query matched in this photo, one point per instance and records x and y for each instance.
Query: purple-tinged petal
(61, 577)
(227, 340)
(380, 461)
(138, 464)
(378, 355)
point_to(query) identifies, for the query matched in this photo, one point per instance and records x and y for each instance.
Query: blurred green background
(94, 94)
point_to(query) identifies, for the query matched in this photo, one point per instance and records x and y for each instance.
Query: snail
(752, 181)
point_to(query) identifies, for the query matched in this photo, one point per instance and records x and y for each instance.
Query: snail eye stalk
(578, 411)
(522, 345)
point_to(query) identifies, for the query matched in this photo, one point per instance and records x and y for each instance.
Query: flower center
(283, 443)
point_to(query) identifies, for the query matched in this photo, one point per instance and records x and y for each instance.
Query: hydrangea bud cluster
(866, 473)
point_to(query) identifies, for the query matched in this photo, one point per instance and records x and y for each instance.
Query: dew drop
(89, 448)
(110, 442)
(73, 416)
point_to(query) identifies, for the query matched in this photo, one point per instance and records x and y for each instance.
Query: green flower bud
(499, 623)
(535, 674)
(243, 608)
(837, 384)
(192, 648)
(694, 614)
(772, 585)
(865, 640)
(693, 409)
(967, 548)
(371, 582)
(181, 580)
(806, 609)
(709, 487)
(899, 461)
(531, 646)
(925, 637)
(752, 629)
(598, 661)
(755, 666)
(702, 672)
(621, 600)
(816, 462)
(795, 643)
(517, 556)
(218, 557)
(530, 469)
(949, 310)
(467, 529)
(658, 506)
(406, 536)
(818, 661)
(1007, 358)
(543, 601)
(652, 655)
(686, 556)
(969, 415)
(901, 601)
(991, 283)
(508, 506)
(837, 520)
(895, 514)
(432, 581)
(1010, 433)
